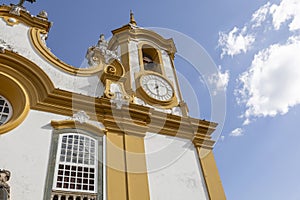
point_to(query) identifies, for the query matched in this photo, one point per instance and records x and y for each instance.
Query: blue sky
(255, 46)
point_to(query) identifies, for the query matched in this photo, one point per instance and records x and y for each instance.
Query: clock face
(157, 87)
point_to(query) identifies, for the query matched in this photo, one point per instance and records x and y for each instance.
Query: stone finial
(43, 14)
(102, 40)
(132, 20)
(4, 187)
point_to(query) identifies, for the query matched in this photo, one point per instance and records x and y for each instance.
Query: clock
(156, 87)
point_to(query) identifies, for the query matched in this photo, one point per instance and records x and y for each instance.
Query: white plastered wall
(169, 70)
(25, 153)
(20, 43)
(174, 171)
(134, 61)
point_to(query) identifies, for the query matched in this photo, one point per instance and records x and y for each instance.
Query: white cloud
(219, 81)
(237, 132)
(239, 41)
(260, 15)
(271, 85)
(246, 122)
(286, 10)
(235, 42)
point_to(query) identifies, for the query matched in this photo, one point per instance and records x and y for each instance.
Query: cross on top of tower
(132, 20)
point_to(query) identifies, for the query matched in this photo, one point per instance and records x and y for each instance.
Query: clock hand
(156, 87)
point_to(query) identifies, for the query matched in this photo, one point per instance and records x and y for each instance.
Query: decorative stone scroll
(100, 53)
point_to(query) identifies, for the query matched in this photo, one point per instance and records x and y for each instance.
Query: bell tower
(148, 63)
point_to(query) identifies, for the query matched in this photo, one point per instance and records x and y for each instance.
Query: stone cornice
(125, 34)
(64, 124)
(26, 18)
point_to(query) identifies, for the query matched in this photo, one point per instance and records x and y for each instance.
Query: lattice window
(76, 165)
(5, 110)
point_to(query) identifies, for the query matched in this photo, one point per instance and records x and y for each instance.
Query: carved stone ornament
(43, 38)
(81, 117)
(111, 70)
(118, 97)
(4, 187)
(4, 46)
(102, 45)
(15, 10)
(101, 51)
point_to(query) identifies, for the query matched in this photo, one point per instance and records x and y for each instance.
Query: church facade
(117, 130)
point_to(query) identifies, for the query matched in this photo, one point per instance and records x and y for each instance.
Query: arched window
(5, 110)
(151, 60)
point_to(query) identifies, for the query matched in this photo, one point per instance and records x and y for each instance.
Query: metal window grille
(5, 110)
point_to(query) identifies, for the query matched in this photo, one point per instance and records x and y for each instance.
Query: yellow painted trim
(25, 18)
(137, 177)
(126, 161)
(211, 174)
(15, 93)
(23, 84)
(35, 36)
(34, 80)
(11, 21)
(116, 178)
(63, 124)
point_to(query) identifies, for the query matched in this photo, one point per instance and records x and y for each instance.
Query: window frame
(70, 163)
(53, 156)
